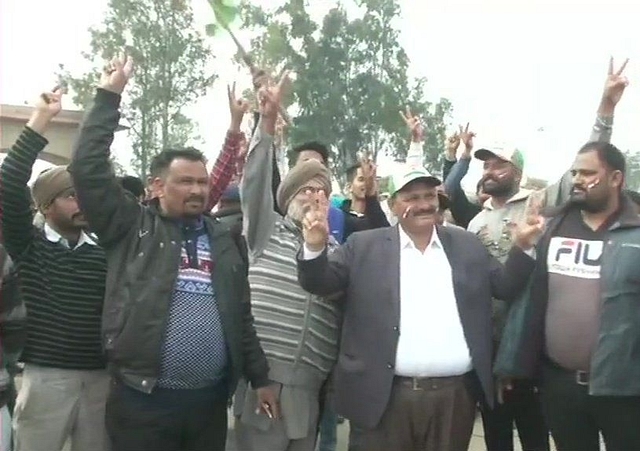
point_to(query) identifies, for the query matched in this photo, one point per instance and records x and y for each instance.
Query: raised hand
(237, 107)
(453, 142)
(270, 97)
(48, 105)
(466, 137)
(116, 74)
(369, 172)
(414, 124)
(615, 83)
(315, 225)
(526, 235)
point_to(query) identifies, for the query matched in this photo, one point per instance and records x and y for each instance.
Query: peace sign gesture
(414, 124)
(526, 234)
(615, 84)
(467, 138)
(270, 97)
(237, 107)
(315, 225)
(369, 172)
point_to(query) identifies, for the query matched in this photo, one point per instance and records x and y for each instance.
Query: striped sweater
(298, 331)
(294, 326)
(63, 289)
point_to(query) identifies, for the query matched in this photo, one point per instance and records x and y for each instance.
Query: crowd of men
(142, 311)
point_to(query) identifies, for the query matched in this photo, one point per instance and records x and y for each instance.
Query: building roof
(22, 113)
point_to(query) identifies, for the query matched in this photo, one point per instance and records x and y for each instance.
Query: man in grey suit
(415, 354)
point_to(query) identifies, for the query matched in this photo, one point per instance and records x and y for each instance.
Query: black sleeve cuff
(109, 98)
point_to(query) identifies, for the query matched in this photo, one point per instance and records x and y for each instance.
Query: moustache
(410, 212)
(495, 179)
(588, 188)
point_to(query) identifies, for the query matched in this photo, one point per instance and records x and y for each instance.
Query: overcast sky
(510, 67)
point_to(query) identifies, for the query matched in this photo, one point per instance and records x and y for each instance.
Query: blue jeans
(328, 429)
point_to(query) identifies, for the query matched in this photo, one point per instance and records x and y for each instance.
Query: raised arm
(256, 193)
(372, 209)
(462, 209)
(226, 164)
(17, 216)
(615, 84)
(110, 212)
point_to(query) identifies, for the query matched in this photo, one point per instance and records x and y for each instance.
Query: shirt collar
(55, 237)
(407, 243)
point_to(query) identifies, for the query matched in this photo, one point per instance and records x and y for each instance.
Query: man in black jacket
(582, 332)
(177, 322)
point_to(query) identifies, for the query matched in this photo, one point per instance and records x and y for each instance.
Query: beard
(498, 187)
(583, 201)
(296, 211)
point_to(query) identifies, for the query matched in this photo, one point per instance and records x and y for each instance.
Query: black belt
(428, 383)
(580, 377)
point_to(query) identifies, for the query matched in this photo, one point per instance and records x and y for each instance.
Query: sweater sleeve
(111, 213)
(224, 168)
(256, 195)
(16, 214)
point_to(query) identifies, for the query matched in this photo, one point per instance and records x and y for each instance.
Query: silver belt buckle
(582, 378)
(415, 384)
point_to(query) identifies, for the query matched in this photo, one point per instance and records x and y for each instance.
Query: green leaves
(171, 71)
(351, 78)
(225, 13)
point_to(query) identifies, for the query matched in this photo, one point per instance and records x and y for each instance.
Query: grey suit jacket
(367, 269)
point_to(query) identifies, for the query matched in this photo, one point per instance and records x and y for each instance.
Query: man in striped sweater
(62, 280)
(298, 331)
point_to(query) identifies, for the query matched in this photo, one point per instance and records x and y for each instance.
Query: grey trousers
(297, 430)
(54, 405)
(435, 415)
(273, 439)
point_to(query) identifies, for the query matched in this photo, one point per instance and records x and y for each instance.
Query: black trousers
(576, 418)
(521, 406)
(167, 420)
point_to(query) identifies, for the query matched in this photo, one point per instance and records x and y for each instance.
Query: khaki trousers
(430, 414)
(55, 405)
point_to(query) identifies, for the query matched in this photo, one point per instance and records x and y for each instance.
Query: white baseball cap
(407, 175)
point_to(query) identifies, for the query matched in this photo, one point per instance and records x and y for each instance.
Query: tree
(351, 79)
(171, 60)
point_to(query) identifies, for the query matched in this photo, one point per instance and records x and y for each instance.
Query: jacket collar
(522, 194)
(628, 216)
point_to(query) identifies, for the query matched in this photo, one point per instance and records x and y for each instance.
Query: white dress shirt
(432, 342)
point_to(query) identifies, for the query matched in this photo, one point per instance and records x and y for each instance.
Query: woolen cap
(301, 174)
(50, 184)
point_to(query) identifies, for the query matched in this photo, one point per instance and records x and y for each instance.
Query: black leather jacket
(143, 254)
